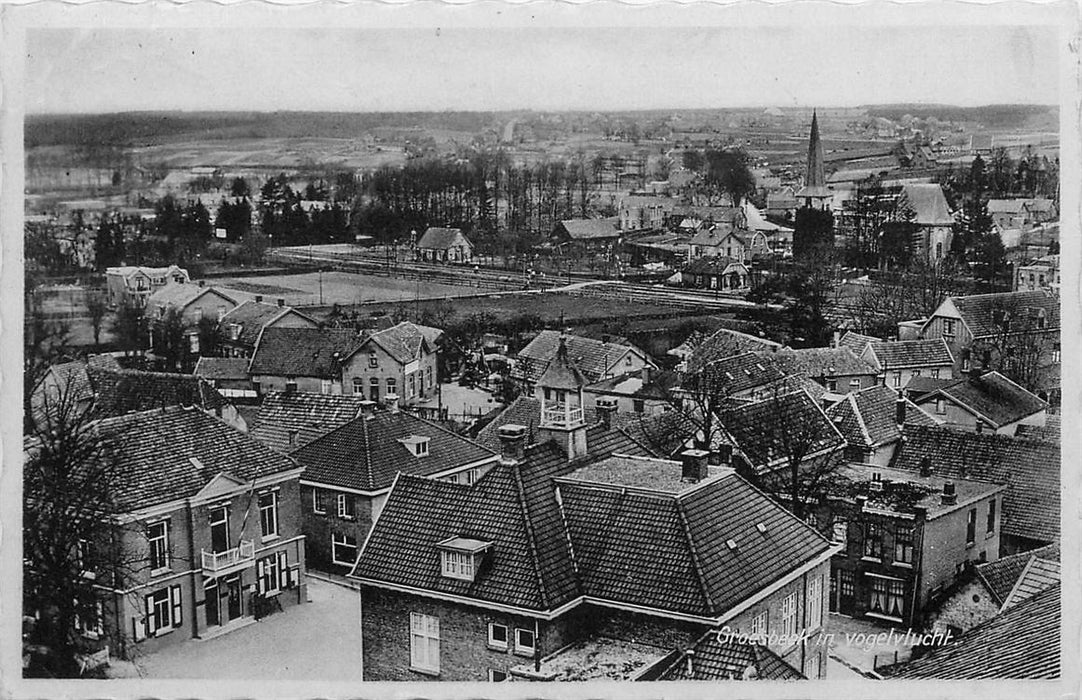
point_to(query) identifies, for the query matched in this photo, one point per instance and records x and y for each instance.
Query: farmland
(343, 288)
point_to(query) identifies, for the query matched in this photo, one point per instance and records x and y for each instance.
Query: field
(338, 288)
(271, 153)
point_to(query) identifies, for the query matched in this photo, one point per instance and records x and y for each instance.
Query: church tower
(563, 419)
(815, 193)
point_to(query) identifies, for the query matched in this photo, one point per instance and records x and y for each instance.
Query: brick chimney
(391, 400)
(367, 410)
(926, 466)
(899, 410)
(723, 454)
(694, 465)
(258, 298)
(949, 497)
(512, 443)
(281, 302)
(606, 409)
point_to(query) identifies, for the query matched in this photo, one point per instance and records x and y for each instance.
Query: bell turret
(562, 415)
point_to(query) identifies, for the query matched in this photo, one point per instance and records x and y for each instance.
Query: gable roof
(303, 352)
(442, 238)
(592, 357)
(820, 362)
(1039, 574)
(181, 295)
(365, 453)
(404, 341)
(125, 391)
(857, 341)
(153, 454)
(717, 660)
(252, 316)
(309, 415)
(868, 418)
(713, 266)
(927, 203)
(732, 375)
(212, 368)
(902, 354)
(588, 229)
(1022, 642)
(1030, 468)
(990, 396)
(979, 311)
(762, 429)
(726, 342)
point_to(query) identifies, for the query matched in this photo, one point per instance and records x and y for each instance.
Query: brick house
(349, 471)
(871, 421)
(444, 245)
(586, 235)
(934, 221)
(289, 420)
(982, 402)
(301, 359)
(578, 538)
(837, 369)
(899, 361)
(133, 285)
(401, 360)
(241, 325)
(208, 525)
(906, 536)
(721, 273)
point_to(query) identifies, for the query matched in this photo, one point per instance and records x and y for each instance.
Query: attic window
(416, 444)
(731, 544)
(761, 528)
(460, 557)
(759, 366)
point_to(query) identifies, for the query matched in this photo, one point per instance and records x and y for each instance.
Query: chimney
(690, 655)
(899, 410)
(202, 282)
(367, 410)
(281, 302)
(723, 454)
(694, 465)
(926, 466)
(258, 298)
(512, 443)
(606, 409)
(645, 375)
(392, 402)
(949, 497)
(836, 338)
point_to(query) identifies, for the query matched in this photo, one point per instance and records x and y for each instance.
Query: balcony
(240, 557)
(559, 415)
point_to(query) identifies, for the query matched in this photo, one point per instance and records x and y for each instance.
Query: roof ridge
(531, 543)
(368, 452)
(450, 432)
(860, 419)
(1018, 582)
(693, 550)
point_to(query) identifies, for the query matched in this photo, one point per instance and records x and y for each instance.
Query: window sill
(970, 545)
(874, 560)
(524, 653)
(902, 565)
(269, 538)
(989, 535)
(496, 647)
(880, 616)
(425, 671)
(155, 573)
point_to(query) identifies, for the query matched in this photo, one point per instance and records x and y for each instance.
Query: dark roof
(309, 415)
(820, 362)
(442, 238)
(366, 452)
(663, 433)
(303, 352)
(561, 372)
(154, 451)
(252, 316)
(221, 368)
(1000, 576)
(1023, 642)
(717, 660)
(592, 357)
(658, 385)
(991, 396)
(901, 354)
(924, 384)
(588, 229)
(1030, 468)
(513, 506)
(725, 343)
(856, 341)
(405, 341)
(125, 391)
(738, 373)
(868, 418)
(762, 429)
(1050, 431)
(979, 311)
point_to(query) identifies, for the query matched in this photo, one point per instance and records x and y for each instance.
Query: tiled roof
(992, 396)
(180, 295)
(927, 203)
(1050, 431)
(212, 368)
(979, 311)
(126, 391)
(405, 340)
(717, 660)
(366, 452)
(441, 238)
(712, 266)
(252, 316)
(513, 506)
(670, 552)
(154, 450)
(659, 385)
(920, 385)
(1038, 575)
(1000, 576)
(712, 237)
(303, 352)
(868, 418)
(901, 354)
(1023, 642)
(1030, 468)
(592, 357)
(732, 375)
(1006, 206)
(857, 342)
(663, 433)
(586, 229)
(73, 379)
(820, 362)
(309, 414)
(726, 343)
(562, 373)
(762, 430)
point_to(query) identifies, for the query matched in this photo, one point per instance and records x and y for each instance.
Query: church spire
(815, 191)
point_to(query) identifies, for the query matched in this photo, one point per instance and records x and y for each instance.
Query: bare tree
(1022, 346)
(95, 308)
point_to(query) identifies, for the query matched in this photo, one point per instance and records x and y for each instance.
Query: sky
(362, 70)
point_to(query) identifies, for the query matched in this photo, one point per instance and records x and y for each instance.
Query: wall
(320, 527)
(945, 547)
(970, 605)
(312, 385)
(357, 367)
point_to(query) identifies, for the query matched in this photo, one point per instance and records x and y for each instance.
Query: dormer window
(234, 331)
(416, 444)
(460, 557)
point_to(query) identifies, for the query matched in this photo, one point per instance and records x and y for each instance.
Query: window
(85, 556)
(524, 641)
(845, 578)
(343, 549)
(158, 536)
(457, 564)
(896, 378)
(193, 343)
(324, 386)
(411, 385)
(163, 613)
(934, 374)
(638, 405)
(291, 383)
(941, 406)
(759, 624)
(841, 531)
(903, 545)
(424, 643)
(788, 615)
(854, 385)
(268, 514)
(267, 572)
(221, 313)
(497, 676)
(1055, 353)
(873, 541)
(358, 385)
(971, 526)
(392, 385)
(948, 328)
(373, 362)
(832, 385)
(90, 625)
(319, 501)
(887, 597)
(991, 517)
(428, 372)
(815, 602)
(497, 635)
(916, 373)
(812, 520)
(346, 508)
(965, 361)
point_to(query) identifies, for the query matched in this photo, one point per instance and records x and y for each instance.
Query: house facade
(131, 285)
(447, 245)
(899, 361)
(985, 402)
(596, 359)
(193, 304)
(720, 273)
(240, 327)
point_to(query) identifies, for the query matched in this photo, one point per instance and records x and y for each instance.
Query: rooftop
(716, 659)
(902, 491)
(662, 476)
(586, 229)
(820, 362)
(303, 415)
(594, 358)
(212, 368)
(303, 352)
(251, 317)
(992, 397)
(900, 354)
(869, 417)
(441, 238)
(982, 313)
(595, 659)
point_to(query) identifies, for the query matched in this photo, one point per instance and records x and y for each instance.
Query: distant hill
(990, 116)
